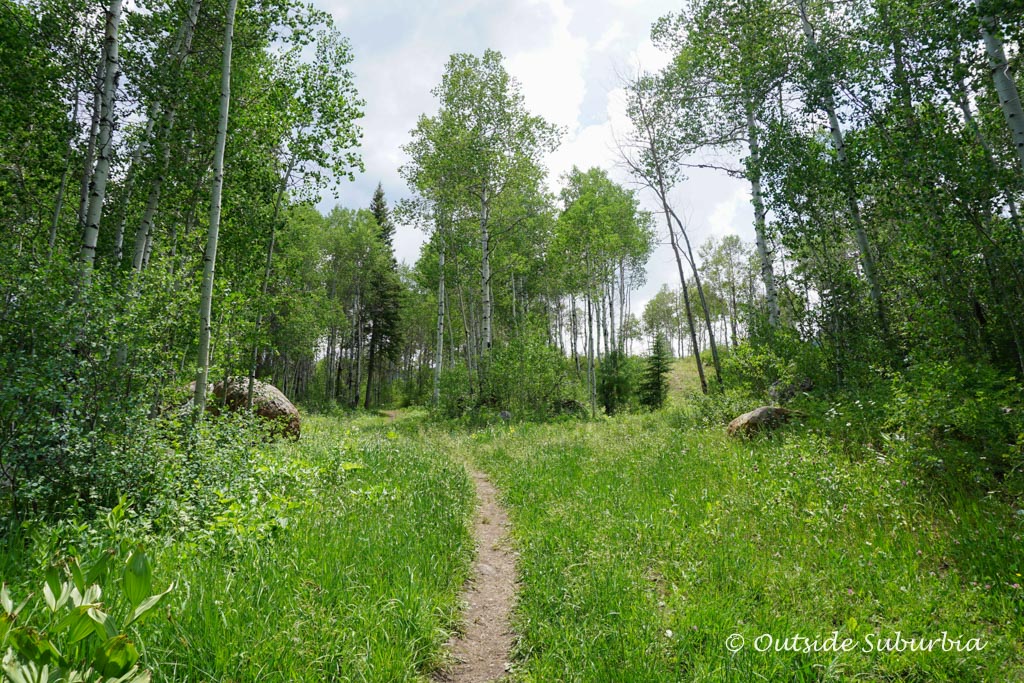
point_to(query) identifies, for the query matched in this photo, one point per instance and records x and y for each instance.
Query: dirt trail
(482, 652)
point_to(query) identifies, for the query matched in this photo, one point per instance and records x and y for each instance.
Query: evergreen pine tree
(384, 296)
(654, 387)
(379, 207)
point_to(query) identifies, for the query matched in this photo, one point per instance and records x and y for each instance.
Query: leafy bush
(456, 392)
(616, 379)
(77, 634)
(952, 415)
(77, 388)
(544, 384)
(543, 379)
(781, 361)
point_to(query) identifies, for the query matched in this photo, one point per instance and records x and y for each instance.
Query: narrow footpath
(481, 653)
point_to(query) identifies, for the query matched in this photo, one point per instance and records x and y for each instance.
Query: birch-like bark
(440, 326)
(591, 377)
(145, 230)
(359, 345)
(658, 185)
(104, 142)
(1006, 87)
(686, 296)
(767, 271)
(90, 149)
(611, 314)
(210, 256)
(703, 299)
(574, 332)
(485, 271)
(867, 260)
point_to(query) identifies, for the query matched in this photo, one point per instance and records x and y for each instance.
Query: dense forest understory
(169, 293)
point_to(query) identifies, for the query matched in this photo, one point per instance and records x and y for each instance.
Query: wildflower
(668, 633)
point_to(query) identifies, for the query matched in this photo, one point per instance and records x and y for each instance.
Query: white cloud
(551, 74)
(614, 33)
(568, 56)
(725, 216)
(647, 57)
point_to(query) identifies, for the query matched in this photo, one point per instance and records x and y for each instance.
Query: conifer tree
(384, 295)
(654, 387)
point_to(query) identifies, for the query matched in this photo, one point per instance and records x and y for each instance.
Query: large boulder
(765, 417)
(267, 401)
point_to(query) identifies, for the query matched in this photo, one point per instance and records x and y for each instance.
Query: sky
(569, 56)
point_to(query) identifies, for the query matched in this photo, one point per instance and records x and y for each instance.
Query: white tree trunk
(145, 230)
(1006, 87)
(210, 256)
(867, 260)
(767, 270)
(104, 141)
(440, 325)
(90, 150)
(485, 271)
(972, 124)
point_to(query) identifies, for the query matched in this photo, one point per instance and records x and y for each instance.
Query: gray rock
(267, 401)
(765, 417)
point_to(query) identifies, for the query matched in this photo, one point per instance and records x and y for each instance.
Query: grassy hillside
(645, 544)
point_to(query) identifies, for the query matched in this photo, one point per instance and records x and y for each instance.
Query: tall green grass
(645, 546)
(357, 582)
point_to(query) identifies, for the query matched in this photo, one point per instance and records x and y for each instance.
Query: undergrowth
(644, 547)
(337, 557)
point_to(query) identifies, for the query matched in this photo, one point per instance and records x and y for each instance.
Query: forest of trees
(881, 142)
(160, 167)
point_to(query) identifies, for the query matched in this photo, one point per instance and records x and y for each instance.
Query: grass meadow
(651, 548)
(358, 581)
(646, 542)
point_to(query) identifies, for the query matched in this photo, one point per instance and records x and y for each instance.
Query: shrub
(528, 377)
(954, 415)
(615, 382)
(80, 630)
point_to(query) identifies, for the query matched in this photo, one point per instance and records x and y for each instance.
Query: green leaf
(117, 656)
(102, 624)
(54, 584)
(78, 623)
(17, 672)
(77, 576)
(5, 599)
(48, 596)
(148, 604)
(138, 578)
(98, 570)
(32, 646)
